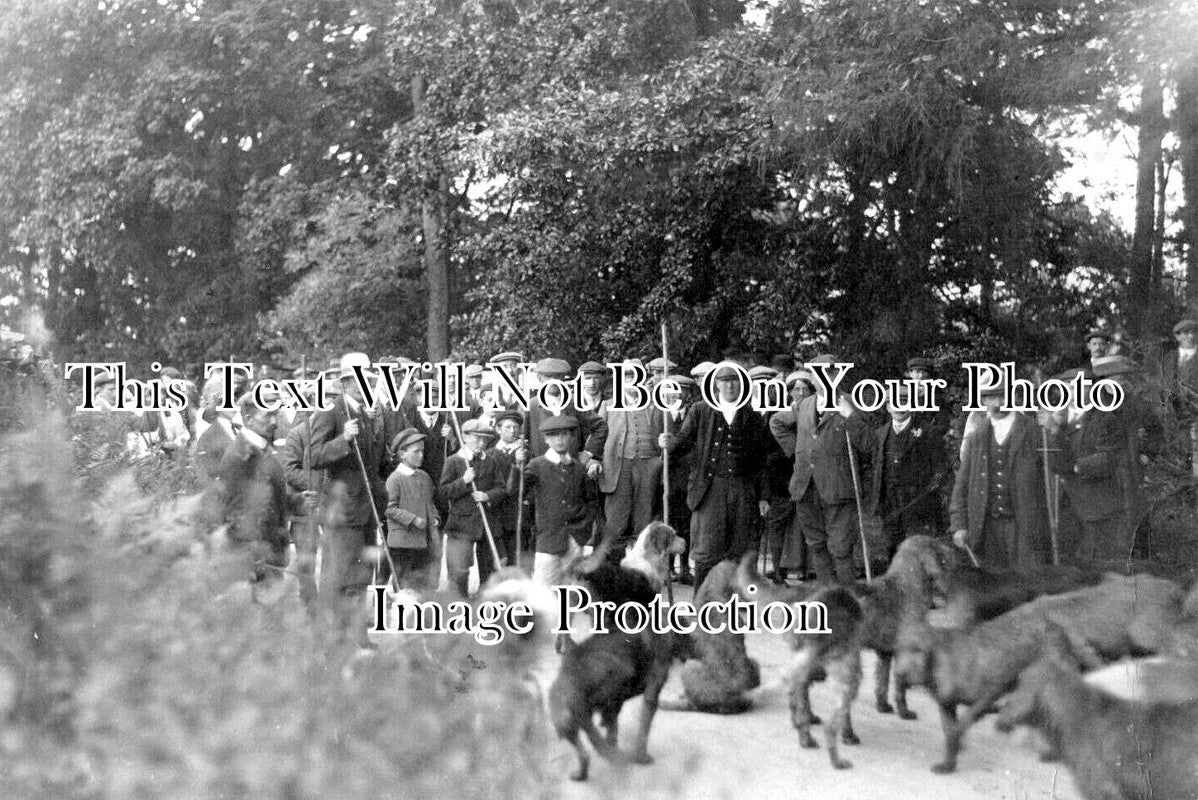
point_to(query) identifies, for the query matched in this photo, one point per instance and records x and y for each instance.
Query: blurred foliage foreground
(134, 665)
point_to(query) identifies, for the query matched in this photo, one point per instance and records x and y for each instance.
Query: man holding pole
(825, 485)
(350, 448)
(729, 445)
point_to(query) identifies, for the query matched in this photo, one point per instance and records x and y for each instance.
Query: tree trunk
(434, 212)
(1187, 135)
(1152, 123)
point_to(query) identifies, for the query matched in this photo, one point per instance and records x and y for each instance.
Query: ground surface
(757, 755)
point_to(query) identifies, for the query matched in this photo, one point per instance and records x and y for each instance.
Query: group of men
(800, 483)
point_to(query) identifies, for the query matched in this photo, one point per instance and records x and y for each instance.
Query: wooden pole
(481, 510)
(848, 440)
(665, 457)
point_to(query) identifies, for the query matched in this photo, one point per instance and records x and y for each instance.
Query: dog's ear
(677, 545)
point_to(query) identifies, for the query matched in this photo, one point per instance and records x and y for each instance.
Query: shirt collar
(405, 470)
(899, 427)
(554, 457)
(1002, 427)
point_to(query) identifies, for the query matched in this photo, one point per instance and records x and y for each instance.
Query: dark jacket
(1086, 453)
(696, 437)
(333, 454)
(912, 484)
(463, 519)
(254, 499)
(820, 448)
(592, 435)
(564, 503)
(210, 450)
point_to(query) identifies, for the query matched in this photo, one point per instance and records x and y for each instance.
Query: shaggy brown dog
(974, 668)
(715, 682)
(905, 592)
(601, 673)
(974, 595)
(1114, 748)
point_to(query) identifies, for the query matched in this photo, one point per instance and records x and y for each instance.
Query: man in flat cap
(724, 493)
(822, 483)
(1180, 380)
(593, 379)
(593, 428)
(509, 363)
(998, 508)
(339, 436)
(657, 369)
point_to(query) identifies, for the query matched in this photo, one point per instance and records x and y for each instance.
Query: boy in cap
(563, 498)
(509, 425)
(413, 523)
(473, 483)
(1180, 381)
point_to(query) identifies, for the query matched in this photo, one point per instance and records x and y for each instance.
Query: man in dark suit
(338, 436)
(729, 446)
(255, 500)
(631, 478)
(910, 465)
(1085, 450)
(593, 428)
(822, 484)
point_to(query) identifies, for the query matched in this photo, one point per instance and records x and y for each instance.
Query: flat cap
(1098, 333)
(591, 367)
(557, 424)
(407, 436)
(552, 366)
(799, 375)
(479, 428)
(171, 372)
(474, 371)
(660, 363)
(351, 360)
(511, 355)
(701, 369)
(919, 362)
(760, 373)
(511, 414)
(683, 380)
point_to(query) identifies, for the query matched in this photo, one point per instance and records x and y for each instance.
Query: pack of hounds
(1103, 666)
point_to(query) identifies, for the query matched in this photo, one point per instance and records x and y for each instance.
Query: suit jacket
(331, 453)
(820, 450)
(695, 438)
(491, 476)
(617, 435)
(922, 465)
(1087, 453)
(292, 457)
(969, 505)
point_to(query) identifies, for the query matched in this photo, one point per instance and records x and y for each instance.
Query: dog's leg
(952, 738)
(584, 761)
(658, 673)
(611, 724)
(955, 734)
(800, 699)
(600, 743)
(900, 698)
(882, 683)
(844, 678)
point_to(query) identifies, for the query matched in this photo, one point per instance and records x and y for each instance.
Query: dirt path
(757, 755)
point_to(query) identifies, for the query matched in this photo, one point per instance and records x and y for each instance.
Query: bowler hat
(558, 424)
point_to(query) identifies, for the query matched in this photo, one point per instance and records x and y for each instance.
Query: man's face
(508, 430)
(1097, 346)
(727, 388)
(108, 393)
(475, 382)
(994, 407)
(591, 382)
(919, 374)
(798, 390)
(264, 423)
(476, 442)
(899, 414)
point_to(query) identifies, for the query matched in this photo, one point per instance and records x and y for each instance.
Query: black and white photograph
(598, 399)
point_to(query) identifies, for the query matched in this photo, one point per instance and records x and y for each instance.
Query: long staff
(314, 514)
(869, 576)
(1051, 499)
(520, 491)
(379, 540)
(481, 510)
(665, 455)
